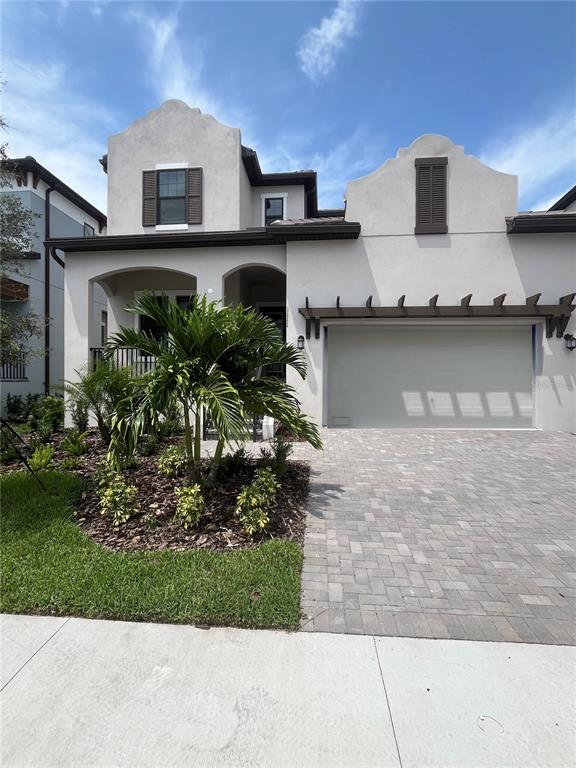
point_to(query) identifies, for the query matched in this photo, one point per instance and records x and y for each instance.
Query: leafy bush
(254, 501)
(234, 464)
(46, 416)
(147, 445)
(118, 499)
(172, 461)
(276, 457)
(101, 390)
(42, 457)
(190, 505)
(104, 475)
(7, 451)
(79, 415)
(74, 444)
(16, 410)
(168, 428)
(69, 463)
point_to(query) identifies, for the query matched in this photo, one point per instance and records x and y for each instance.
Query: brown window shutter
(149, 201)
(431, 197)
(194, 195)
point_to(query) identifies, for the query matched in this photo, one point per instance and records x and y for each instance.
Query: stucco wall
(174, 133)
(293, 203)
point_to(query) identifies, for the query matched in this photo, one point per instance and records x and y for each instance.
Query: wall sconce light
(300, 343)
(570, 341)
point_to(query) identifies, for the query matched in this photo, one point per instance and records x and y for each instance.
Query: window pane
(172, 183)
(173, 211)
(273, 209)
(185, 302)
(88, 230)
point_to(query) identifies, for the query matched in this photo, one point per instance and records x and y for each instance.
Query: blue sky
(334, 86)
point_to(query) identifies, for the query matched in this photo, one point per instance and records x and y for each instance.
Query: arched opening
(121, 288)
(261, 287)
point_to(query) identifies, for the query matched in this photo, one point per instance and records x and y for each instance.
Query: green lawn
(50, 566)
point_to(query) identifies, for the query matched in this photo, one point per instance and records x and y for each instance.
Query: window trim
(273, 195)
(89, 226)
(159, 198)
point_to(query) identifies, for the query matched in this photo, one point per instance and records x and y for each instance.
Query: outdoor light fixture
(301, 343)
(570, 341)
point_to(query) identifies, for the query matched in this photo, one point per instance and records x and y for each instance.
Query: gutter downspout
(47, 290)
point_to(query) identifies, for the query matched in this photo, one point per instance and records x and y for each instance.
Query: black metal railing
(14, 369)
(253, 427)
(123, 357)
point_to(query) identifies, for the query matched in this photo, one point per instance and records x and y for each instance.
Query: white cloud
(58, 124)
(356, 155)
(541, 155)
(320, 45)
(176, 73)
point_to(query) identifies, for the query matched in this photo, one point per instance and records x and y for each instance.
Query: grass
(51, 567)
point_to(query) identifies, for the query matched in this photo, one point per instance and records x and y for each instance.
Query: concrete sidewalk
(99, 693)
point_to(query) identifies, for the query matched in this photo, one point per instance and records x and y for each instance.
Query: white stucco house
(428, 301)
(38, 286)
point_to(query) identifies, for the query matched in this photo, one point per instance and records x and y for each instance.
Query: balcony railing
(126, 356)
(14, 369)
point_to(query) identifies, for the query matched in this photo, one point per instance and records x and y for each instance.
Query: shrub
(276, 457)
(79, 415)
(104, 474)
(46, 416)
(16, 409)
(168, 428)
(42, 457)
(255, 500)
(7, 451)
(190, 505)
(118, 499)
(74, 444)
(234, 463)
(172, 461)
(69, 463)
(147, 445)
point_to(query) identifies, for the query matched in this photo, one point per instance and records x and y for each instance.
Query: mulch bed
(153, 528)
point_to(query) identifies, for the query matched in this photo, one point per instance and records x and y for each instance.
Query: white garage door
(429, 377)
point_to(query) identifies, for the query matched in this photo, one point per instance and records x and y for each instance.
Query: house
(39, 285)
(429, 301)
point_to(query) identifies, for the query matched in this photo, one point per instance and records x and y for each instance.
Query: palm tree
(185, 370)
(210, 358)
(259, 345)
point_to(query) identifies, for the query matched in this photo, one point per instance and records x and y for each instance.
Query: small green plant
(254, 501)
(16, 410)
(190, 505)
(276, 457)
(104, 475)
(234, 464)
(147, 445)
(69, 463)
(74, 444)
(172, 461)
(118, 499)
(41, 457)
(46, 416)
(79, 415)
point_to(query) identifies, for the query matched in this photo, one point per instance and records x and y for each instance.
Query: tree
(210, 358)
(16, 234)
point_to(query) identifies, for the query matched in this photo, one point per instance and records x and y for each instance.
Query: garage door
(429, 377)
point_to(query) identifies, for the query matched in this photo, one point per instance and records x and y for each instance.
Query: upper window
(273, 209)
(431, 196)
(88, 230)
(172, 197)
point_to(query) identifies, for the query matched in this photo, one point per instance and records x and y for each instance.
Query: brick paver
(464, 535)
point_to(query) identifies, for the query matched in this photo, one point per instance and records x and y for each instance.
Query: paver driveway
(463, 535)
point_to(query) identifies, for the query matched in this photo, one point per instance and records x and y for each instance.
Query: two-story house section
(428, 302)
(39, 286)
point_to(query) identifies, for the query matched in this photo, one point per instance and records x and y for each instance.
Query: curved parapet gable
(479, 197)
(179, 136)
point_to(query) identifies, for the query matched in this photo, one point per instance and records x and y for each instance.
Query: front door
(278, 316)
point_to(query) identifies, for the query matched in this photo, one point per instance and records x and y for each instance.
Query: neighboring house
(39, 288)
(428, 302)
